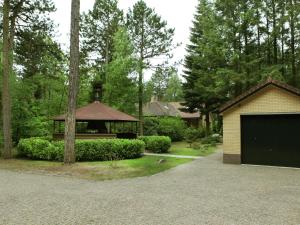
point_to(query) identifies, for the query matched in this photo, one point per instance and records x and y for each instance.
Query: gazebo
(96, 121)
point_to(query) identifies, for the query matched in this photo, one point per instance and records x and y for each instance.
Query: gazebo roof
(99, 111)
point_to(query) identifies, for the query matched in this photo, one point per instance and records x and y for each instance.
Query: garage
(271, 140)
(262, 126)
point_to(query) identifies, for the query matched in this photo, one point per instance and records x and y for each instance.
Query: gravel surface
(201, 192)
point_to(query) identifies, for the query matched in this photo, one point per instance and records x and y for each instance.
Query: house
(262, 126)
(172, 109)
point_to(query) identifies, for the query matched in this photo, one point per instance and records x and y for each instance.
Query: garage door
(271, 140)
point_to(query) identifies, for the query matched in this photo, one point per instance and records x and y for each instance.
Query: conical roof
(99, 111)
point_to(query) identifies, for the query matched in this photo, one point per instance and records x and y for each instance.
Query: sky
(178, 14)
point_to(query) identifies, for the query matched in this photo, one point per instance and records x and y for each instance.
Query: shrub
(212, 140)
(86, 150)
(172, 127)
(191, 135)
(35, 148)
(151, 126)
(156, 144)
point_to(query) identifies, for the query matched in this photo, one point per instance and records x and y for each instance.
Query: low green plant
(172, 127)
(156, 144)
(191, 135)
(86, 150)
(212, 139)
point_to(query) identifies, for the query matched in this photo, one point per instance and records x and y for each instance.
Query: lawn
(145, 166)
(183, 148)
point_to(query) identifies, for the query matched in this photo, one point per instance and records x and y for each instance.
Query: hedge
(156, 144)
(172, 127)
(86, 150)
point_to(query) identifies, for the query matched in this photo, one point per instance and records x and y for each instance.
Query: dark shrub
(191, 135)
(172, 127)
(86, 150)
(151, 126)
(157, 144)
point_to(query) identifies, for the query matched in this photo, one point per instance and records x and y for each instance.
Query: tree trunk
(282, 43)
(268, 42)
(274, 31)
(141, 86)
(7, 66)
(258, 40)
(292, 27)
(207, 124)
(69, 156)
(141, 92)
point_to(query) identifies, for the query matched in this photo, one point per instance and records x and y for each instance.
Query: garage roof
(257, 88)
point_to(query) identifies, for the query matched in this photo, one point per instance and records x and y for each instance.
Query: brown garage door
(271, 140)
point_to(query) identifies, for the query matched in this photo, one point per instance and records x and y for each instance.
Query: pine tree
(174, 91)
(99, 26)
(70, 121)
(7, 69)
(151, 38)
(120, 90)
(204, 57)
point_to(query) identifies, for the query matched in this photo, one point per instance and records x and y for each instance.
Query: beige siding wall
(268, 100)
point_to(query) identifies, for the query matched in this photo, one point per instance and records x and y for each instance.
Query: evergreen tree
(174, 92)
(160, 80)
(99, 26)
(151, 38)
(205, 56)
(70, 121)
(7, 68)
(120, 90)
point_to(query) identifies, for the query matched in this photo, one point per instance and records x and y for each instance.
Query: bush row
(156, 144)
(86, 150)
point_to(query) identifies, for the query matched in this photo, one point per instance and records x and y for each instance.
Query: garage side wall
(267, 101)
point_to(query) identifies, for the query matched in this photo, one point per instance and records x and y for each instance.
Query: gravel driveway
(202, 192)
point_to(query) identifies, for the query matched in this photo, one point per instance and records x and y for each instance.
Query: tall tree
(160, 79)
(201, 89)
(151, 38)
(69, 155)
(174, 91)
(7, 69)
(120, 89)
(99, 26)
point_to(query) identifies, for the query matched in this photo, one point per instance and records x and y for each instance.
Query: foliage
(236, 44)
(174, 92)
(151, 126)
(98, 29)
(202, 90)
(212, 139)
(197, 149)
(191, 135)
(151, 38)
(120, 89)
(156, 144)
(86, 150)
(172, 127)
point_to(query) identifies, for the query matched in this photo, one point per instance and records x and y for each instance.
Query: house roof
(99, 111)
(158, 108)
(260, 86)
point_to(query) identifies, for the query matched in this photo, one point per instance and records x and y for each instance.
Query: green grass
(145, 166)
(183, 148)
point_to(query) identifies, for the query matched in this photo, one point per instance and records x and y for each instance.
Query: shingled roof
(250, 92)
(157, 108)
(99, 111)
